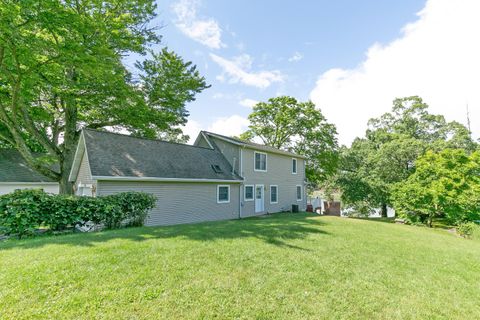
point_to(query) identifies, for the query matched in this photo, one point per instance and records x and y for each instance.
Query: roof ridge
(254, 144)
(144, 138)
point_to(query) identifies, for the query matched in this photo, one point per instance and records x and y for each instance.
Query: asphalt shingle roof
(254, 145)
(14, 168)
(117, 155)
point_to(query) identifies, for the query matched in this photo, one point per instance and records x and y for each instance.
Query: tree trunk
(429, 221)
(66, 187)
(69, 146)
(384, 210)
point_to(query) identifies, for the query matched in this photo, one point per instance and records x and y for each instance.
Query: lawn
(286, 266)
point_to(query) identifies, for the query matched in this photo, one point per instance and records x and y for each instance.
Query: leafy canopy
(285, 123)
(387, 154)
(61, 69)
(444, 184)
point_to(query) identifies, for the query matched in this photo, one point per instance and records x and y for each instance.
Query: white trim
(110, 178)
(218, 192)
(226, 140)
(254, 161)
(263, 198)
(206, 139)
(301, 192)
(241, 162)
(80, 140)
(276, 186)
(296, 166)
(245, 192)
(27, 183)
(85, 185)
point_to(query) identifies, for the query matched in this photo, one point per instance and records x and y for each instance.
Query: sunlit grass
(288, 266)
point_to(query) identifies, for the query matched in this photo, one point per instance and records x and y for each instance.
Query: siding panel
(84, 175)
(279, 172)
(179, 203)
(230, 151)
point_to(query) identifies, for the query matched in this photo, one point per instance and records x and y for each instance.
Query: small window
(223, 194)
(217, 168)
(84, 190)
(260, 161)
(248, 193)
(299, 193)
(273, 194)
(294, 166)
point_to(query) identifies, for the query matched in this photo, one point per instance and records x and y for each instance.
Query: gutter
(118, 178)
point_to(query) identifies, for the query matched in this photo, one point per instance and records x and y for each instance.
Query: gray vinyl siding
(84, 174)
(179, 203)
(230, 152)
(203, 143)
(279, 172)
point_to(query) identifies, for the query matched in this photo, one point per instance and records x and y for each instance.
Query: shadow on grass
(384, 220)
(274, 229)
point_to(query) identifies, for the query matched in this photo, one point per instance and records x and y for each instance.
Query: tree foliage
(444, 184)
(393, 142)
(285, 123)
(61, 69)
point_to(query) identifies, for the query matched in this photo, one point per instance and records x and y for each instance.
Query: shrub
(134, 206)
(466, 229)
(23, 210)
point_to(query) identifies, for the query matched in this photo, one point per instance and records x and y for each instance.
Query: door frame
(262, 186)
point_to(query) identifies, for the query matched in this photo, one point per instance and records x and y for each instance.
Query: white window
(223, 194)
(273, 194)
(260, 161)
(294, 166)
(248, 193)
(299, 193)
(84, 190)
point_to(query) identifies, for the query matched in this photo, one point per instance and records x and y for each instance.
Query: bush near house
(22, 211)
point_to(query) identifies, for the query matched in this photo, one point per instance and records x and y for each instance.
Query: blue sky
(320, 50)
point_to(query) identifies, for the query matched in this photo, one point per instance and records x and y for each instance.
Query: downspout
(240, 200)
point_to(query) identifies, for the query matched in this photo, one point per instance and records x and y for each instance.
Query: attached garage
(191, 183)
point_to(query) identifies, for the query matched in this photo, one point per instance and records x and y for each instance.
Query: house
(16, 174)
(217, 178)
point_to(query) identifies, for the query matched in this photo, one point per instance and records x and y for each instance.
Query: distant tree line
(415, 162)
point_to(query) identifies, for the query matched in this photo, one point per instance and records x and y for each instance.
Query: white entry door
(259, 198)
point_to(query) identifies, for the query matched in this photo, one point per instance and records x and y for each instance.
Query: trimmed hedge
(22, 211)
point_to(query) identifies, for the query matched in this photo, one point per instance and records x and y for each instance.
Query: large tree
(61, 70)
(444, 184)
(300, 127)
(387, 154)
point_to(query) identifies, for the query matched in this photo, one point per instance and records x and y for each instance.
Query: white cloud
(238, 70)
(229, 126)
(192, 128)
(297, 56)
(206, 31)
(436, 57)
(249, 103)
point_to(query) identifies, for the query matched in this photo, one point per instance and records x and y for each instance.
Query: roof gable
(248, 144)
(122, 156)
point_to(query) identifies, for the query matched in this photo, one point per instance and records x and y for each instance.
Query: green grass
(289, 266)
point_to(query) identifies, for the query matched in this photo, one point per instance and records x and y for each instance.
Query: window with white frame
(273, 194)
(294, 166)
(223, 194)
(84, 190)
(249, 193)
(299, 193)
(260, 161)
